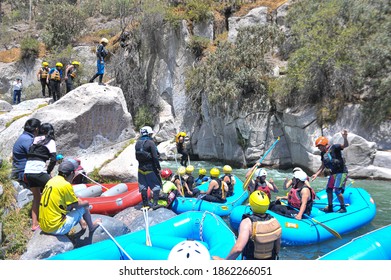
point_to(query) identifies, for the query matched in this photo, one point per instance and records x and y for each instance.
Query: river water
(379, 190)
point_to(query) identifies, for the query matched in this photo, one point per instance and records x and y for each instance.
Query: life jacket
(55, 75)
(169, 188)
(141, 154)
(190, 181)
(101, 51)
(219, 192)
(294, 198)
(265, 231)
(182, 180)
(230, 185)
(72, 73)
(43, 72)
(263, 187)
(333, 159)
(180, 134)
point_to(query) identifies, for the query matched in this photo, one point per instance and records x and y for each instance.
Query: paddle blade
(333, 232)
(248, 179)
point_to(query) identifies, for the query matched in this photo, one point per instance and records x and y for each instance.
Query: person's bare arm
(245, 230)
(321, 168)
(345, 139)
(272, 185)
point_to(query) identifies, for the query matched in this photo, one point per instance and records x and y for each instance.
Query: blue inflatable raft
(361, 210)
(183, 204)
(374, 245)
(205, 227)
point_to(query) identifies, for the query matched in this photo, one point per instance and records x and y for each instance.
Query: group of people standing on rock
(52, 78)
(55, 207)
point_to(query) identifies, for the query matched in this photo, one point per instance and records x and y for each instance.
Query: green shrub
(198, 44)
(143, 117)
(234, 71)
(339, 50)
(63, 23)
(29, 49)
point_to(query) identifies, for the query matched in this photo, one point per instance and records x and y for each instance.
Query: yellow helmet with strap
(179, 134)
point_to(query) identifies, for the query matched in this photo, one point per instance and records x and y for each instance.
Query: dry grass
(12, 55)
(271, 4)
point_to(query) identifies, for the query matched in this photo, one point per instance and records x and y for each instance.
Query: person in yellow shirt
(60, 210)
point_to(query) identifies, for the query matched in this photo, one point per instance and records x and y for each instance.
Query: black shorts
(37, 180)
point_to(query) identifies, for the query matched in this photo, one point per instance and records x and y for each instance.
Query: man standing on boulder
(148, 165)
(101, 53)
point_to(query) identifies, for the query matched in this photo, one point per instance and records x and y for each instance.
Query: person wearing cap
(148, 166)
(70, 75)
(54, 80)
(60, 210)
(332, 158)
(101, 53)
(300, 198)
(42, 75)
(17, 87)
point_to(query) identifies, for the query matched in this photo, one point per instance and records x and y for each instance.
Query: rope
(202, 222)
(115, 241)
(146, 220)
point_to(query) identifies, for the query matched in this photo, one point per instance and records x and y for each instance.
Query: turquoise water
(379, 190)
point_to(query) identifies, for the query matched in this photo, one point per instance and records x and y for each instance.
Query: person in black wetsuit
(148, 166)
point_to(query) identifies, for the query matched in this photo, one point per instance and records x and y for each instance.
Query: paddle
(329, 229)
(333, 232)
(115, 241)
(248, 179)
(94, 181)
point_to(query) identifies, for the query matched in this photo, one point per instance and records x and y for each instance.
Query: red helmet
(166, 173)
(321, 141)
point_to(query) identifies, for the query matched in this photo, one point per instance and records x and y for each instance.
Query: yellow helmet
(202, 171)
(59, 64)
(75, 62)
(44, 64)
(181, 170)
(189, 169)
(104, 40)
(227, 169)
(214, 172)
(259, 202)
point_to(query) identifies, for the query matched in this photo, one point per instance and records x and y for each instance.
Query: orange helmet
(321, 141)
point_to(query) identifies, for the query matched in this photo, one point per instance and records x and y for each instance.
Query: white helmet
(297, 169)
(104, 40)
(146, 130)
(301, 175)
(189, 250)
(261, 172)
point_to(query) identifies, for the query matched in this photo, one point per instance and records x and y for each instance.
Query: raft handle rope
(202, 222)
(122, 250)
(146, 220)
